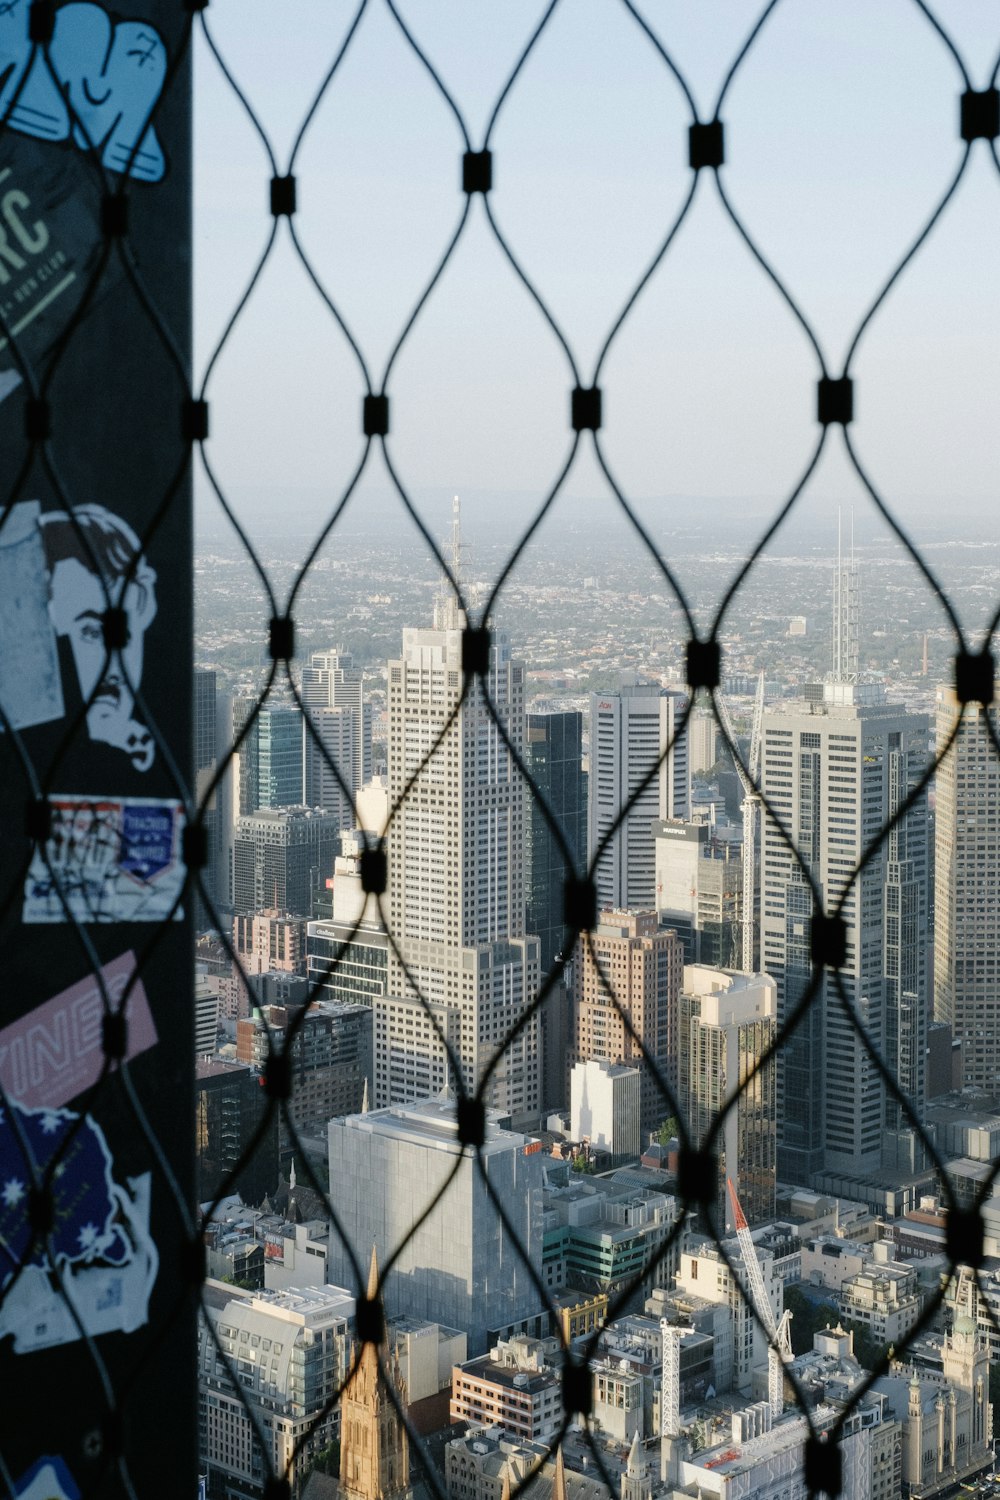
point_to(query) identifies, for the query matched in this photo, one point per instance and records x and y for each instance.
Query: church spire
(374, 1448)
(559, 1482)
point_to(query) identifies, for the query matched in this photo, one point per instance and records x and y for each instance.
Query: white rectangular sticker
(108, 859)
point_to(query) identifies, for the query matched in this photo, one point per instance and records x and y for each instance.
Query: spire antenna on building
(456, 540)
(846, 613)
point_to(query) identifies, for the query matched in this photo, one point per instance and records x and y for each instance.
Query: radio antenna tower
(846, 614)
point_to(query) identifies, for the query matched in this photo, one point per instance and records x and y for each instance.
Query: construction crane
(751, 803)
(779, 1345)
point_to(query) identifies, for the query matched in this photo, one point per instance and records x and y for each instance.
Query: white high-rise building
(335, 731)
(966, 873)
(835, 771)
(331, 680)
(629, 731)
(455, 879)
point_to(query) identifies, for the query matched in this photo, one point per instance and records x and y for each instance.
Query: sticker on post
(56, 1052)
(47, 1479)
(108, 859)
(96, 84)
(58, 572)
(98, 1263)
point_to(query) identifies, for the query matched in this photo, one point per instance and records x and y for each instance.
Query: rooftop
(432, 1123)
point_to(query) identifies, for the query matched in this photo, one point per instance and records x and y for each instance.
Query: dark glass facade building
(554, 752)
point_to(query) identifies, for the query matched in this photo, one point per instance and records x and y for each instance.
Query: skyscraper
(554, 757)
(206, 757)
(456, 876)
(629, 731)
(281, 857)
(641, 964)
(331, 680)
(334, 729)
(966, 875)
(270, 772)
(836, 771)
(699, 890)
(727, 1023)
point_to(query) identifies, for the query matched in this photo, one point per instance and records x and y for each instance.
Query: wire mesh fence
(107, 100)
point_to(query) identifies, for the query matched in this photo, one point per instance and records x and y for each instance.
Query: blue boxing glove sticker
(98, 86)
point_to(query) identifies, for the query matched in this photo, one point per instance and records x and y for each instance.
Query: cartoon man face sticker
(78, 598)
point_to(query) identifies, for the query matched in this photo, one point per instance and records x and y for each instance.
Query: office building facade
(458, 1267)
(699, 890)
(966, 881)
(456, 877)
(282, 858)
(290, 1352)
(629, 732)
(328, 743)
(605, 1101)
(727, 1023)
(641, 965)
(212, 719)
(553, 754)
(229, 1107)
(331, 681)
(835, 771)
(270, 755)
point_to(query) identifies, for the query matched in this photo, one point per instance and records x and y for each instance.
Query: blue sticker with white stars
(98, 1253)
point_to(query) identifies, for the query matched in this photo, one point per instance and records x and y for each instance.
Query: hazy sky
(841, 137)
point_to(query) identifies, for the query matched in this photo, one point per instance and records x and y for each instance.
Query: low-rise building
(427, 1353)
(579, 1313)
(869, 1286)
(514, 1387)
(288, 1354)
(487, 1463)
(622, 1397)
(945, 1416)
(601, 1233)
(766, 1461)
(740, 1342)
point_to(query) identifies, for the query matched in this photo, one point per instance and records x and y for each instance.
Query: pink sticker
(55, 1052)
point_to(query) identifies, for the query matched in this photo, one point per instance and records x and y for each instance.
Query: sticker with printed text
(108, 859)
(55, 1052)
